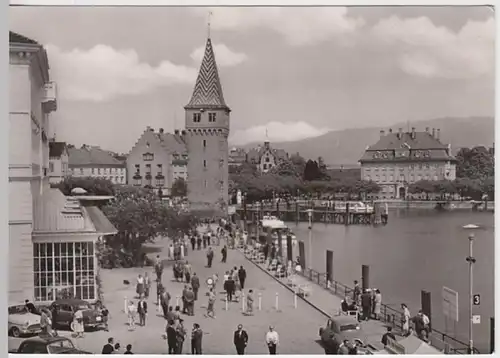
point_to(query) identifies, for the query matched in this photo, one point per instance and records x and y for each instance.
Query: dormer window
(147, 157)
(212, 117)
(196, 117)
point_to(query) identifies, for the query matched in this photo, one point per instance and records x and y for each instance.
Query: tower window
(204, 143)
(197, 117)
(212, 117)
(204, 164)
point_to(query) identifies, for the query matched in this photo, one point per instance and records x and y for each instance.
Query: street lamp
(309, 215)
(471, 260)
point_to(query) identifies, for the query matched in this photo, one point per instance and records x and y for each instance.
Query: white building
(51, 237)
(90, 161)
(58, 162)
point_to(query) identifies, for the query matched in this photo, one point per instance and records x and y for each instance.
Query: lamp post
(309, 215)
(471, 261)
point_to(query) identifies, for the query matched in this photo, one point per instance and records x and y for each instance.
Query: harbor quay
(297, 328)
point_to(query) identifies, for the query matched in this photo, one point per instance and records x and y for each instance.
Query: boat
(275, 224)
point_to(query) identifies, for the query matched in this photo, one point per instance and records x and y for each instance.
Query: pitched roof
(14, 37)
(423, 140)
(56, 149)
(208, 89)
(172, 142)
(92, 156)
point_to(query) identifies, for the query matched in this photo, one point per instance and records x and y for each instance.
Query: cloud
(103, 73)
(276, 132)
(225, 57)
(300, 26)
(426, 50)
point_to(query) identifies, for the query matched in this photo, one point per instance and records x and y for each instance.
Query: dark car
(63, 311)
(47, 345)
(342, 328)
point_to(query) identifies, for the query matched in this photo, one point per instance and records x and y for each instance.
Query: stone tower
(207, 131)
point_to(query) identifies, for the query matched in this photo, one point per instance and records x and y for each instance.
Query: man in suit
(142, 310)
(171, 337)
(195, 284)
(108, 348)
(196, 337)
(240, 340)
(242, 275)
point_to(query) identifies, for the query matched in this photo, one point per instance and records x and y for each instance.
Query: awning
(101, 223)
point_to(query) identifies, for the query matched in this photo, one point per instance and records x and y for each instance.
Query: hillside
(347, 146)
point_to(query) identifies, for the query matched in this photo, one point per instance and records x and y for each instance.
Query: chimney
(390, 130)
(438, 134)
(183, 132)
(148, 129)
(413, 134)
(176, 132)
(382, 133)
(161, 130)
(400, 133)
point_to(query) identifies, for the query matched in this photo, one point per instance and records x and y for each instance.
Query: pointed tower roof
(207, 91)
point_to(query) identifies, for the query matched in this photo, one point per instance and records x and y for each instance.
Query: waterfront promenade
(298, 328)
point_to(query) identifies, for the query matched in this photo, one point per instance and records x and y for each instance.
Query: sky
(291, 72)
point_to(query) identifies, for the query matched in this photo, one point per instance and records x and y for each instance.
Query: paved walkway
(298, 328)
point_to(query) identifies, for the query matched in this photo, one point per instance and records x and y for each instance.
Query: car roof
(45, 339)
(69, 301)
(345, 320)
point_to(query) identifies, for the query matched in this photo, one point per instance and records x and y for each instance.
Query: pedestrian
(147, 285)
(224, 254)
(387, 335)
(184, 303)
(128, 349)
(210, 257)
(171, 252)
(105, 317)
(45, 322)
(377, 304)
(249, 303)
(140, 286)
(198, 241)
(193, 242)
(229, 286)
(171, 337)
(77, 324)
(142, 310)
(366, 304)
(108, 348)
(240, 340)
(406, 319)
(190, 301)
(195, 284)
(356, 292)
(272, 340)
(242, 275)
(164, 301)
(187, 271)
(30, 307)
(131, 311)
(170, 314)
(344, 347)
(180, 335)
(211, 303)
(196, 338)
(205, 241)
(177, 314)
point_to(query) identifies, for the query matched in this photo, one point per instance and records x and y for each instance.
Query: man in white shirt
(272, 340)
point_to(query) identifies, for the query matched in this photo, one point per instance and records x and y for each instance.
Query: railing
(390, 315)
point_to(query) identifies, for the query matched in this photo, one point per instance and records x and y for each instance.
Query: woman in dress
(250, 303)
(406, 319)
(140, 286)
(377, 304)
(131, 310)
(147, 285)
(77, 324)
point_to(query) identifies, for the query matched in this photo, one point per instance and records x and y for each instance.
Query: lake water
(416, 250)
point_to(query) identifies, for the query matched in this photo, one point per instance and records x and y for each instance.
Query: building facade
(157, 159)
(400, 159)
(58, 162)
(207, 129)
(237, 156)
(51, 239)
(265, 157)
(90, 161)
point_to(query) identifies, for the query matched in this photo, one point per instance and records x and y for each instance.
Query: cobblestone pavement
(298, 328)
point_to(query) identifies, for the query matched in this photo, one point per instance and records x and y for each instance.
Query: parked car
(47, 345)
(22, 322)
(63, 311)
(342, 328)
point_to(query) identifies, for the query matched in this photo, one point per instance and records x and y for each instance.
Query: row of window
(390, 178)
(99, 171)
(212, 117)
(148, 168)
(266, 166)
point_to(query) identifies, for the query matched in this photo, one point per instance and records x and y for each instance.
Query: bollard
(125, 305)
(260, 301)
(295, 298)
(277, 301)
(177, 298)
(227, 307)
(159, 304)
(243, 303)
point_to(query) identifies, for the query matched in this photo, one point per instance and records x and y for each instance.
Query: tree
(422, 187)
(298, 162)
(93, 186)
(475, 163)
(140, 217)
(311, 171)
(285, 168)
(179, 188)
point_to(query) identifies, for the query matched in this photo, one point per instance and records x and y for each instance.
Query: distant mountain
(346, 146)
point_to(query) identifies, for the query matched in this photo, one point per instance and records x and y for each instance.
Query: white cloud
(276, 132)
(224, 56)
(300, 25)
(103, 73)
(426, 50)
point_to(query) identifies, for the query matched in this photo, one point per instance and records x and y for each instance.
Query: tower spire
(208, 24)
